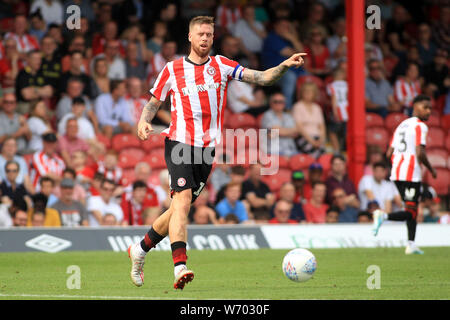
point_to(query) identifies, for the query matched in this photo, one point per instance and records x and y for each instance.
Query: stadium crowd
(71, 99)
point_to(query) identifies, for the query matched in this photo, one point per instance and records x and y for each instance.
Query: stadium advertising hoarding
(54, 240)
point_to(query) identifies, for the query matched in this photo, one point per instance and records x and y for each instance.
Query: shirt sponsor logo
(194, 89)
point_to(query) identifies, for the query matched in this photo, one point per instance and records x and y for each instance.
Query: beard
(199, 51)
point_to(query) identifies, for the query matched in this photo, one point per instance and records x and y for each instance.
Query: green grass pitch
(228, 274)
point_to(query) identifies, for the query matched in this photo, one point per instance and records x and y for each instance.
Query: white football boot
(413, 249)
(183, 277)
(137, 264)
(378, 218)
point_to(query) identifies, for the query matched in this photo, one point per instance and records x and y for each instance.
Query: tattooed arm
(148, 113)
(272, 75)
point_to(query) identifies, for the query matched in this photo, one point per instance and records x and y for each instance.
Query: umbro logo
(48, 243)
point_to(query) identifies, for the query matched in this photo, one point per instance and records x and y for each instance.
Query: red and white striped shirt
(42, 164)
(339, 89)
(114, 174)
(198, 97)
(405, 92)
(410, 133)
(136, 105)
(227, 17)
(25, 43)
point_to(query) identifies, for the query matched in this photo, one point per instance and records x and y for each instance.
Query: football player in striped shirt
(197, 85)
(407, 153)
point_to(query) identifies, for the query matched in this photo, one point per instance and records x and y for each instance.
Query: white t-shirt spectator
(51, 12)
(38, 127)
(96, 203)
(237, 90)
(85, 128)
(252, 41)
(384, 191)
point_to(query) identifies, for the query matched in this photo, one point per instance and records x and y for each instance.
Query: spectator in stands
(316, 14)
(38, 219)
(112, 110)
(9, 187)
(318, 54)
(159, 33)
(202, 212)
(167, 53)
(47, 162)
(109, 219)
(51, 10)
(110, 168)
(51, 61)
(426, 46)
(310, 121)
(25, 42)
(163, 190)
(133, 35)
(38, 26)
(10, 64)
(41, 204)
(441, 29)
(232, 204)
(221, 174)
(408, 87)
(337, 43)
(245, 97)
(436, 73)
(346, 212)
(364, 217)
(249, 31)
(46, 188)
(101, 81)
(13, 124)
(135, 66)
(76, 70)
(77, 43)
(72, 212)
(316, 208)
(116, 65)
(69, 143)
(339, 178)
(287, 194)
(175, 23)
(429, 204)
(77, 111)
(139, 200)
(135, 98)
(99, 206)
(278, 119)
(332, 215)
(31, 83)
(9, 153)
(8, 210)
(379, 92)
(337, 90)
(83, 173)
(19, 218)
(298, 181)
(376, 187)
(256, 192)
(227, 15)
(39, 124)
(374, 155)
(237, 175)
(79, 193)
(280, 44)
(315, 173)
(109, 33)
(282, 212)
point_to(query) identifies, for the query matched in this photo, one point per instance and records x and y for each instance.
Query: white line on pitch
(24, 295)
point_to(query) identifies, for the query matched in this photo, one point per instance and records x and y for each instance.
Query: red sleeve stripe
(418, 135)
(161, 83)
(228, 62)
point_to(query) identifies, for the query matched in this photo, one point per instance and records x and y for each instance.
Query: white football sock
(139, 249)
(178, 268)
(411, 243)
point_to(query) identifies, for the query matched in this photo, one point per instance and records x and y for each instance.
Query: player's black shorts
(189, 167)
(409, 191)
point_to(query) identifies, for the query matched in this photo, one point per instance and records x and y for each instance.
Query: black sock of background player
(400, 216)
(179, 253)
(151, 239)
(411, 225)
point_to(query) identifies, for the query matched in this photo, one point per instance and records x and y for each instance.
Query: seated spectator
(364, 217)
(231, 219)
(159, 60)
(69, 143)
(9, 187)
(84, 173)
(316, 208)
(109, 220)
(159, 32)
(437, 71)
(101, 82)
(337, 90)
(47, 187)
(282, 211)
(38, 26)
(332, 215)
(245, 97)
(376, 187)
(142, 172)
(255, 191)
(298, 181)
(19, 218)
(134, 206)
(339, 178)
(232, 204)
(277, 119)
(249, 31)
(13, 124)
(116, 65)
(8, 210)
(109, 167)
(221, 174)
(112, 111)
(78, 194)
(287, 194)
(426, 46)
(100, 206)
(308, 116)
(40, 204)
(237, 175)
(39, 124)
(315, 172)
(135, 66)
(31, 83)
(374, 155)
(429, 205)
(318, 54)
(346, 212)
(76, 70)
(379, 92)
(279, 45)
(227, 13)
(77, 43)
(72, 213)
(337, 43)
(10, 64)
(202, 212)
(95, 183)
(25, 42)
(47, 162)
(408, 87)
(38, 219)
(9, 153)
(51, 61)
(108, 34)
(135, 98)
(74, 90)
(52, 11)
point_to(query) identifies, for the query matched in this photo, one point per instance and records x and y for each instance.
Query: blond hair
(309, 85)
(201, 20)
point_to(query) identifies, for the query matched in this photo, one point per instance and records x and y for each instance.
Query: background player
(197, 85)
(407, 152)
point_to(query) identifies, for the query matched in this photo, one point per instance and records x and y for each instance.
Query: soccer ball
(299, 265)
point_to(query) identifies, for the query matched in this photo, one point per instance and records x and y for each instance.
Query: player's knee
(183, 198)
